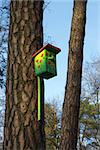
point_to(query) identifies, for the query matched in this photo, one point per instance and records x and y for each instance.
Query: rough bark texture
(22, 130)
(73, 86)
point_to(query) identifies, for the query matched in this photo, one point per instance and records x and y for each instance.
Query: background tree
(71, 104)
(21, 130)
(89, 130)
(4, 22)
(90, 105)
(52, 126)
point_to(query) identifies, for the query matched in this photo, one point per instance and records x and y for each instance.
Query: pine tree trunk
(22, 131)
(73, 86)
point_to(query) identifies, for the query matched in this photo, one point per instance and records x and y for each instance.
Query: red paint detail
(40, 60)
(41, 55)
(37, 60)
(46, 53)
(49, 62)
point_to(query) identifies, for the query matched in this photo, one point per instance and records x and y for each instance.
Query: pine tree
(22, 131)
(71, 104)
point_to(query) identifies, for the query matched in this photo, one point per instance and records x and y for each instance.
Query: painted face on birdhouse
(45, 64)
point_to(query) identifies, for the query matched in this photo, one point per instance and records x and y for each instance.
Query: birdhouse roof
(48, 47)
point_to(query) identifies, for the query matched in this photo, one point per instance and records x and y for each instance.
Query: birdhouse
(45, 61)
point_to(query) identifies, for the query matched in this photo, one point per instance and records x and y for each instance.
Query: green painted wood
(39, 98)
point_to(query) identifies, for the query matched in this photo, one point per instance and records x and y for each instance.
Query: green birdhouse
(45, 61)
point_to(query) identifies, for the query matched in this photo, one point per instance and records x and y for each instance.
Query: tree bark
(22, 130)
(71, 103)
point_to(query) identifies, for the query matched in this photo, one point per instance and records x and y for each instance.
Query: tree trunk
(71, 104)
(22, 130)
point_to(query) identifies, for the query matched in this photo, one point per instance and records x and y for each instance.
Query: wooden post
(40, 113)
(40, 99)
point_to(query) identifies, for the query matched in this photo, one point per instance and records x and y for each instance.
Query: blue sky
(57, 24)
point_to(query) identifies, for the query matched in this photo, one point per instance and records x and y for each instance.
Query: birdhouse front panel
(40, 63)
(45, 64)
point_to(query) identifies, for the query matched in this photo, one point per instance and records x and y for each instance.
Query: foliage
(88, 125)
(88, 120)
(90, 106)
(52, 127)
